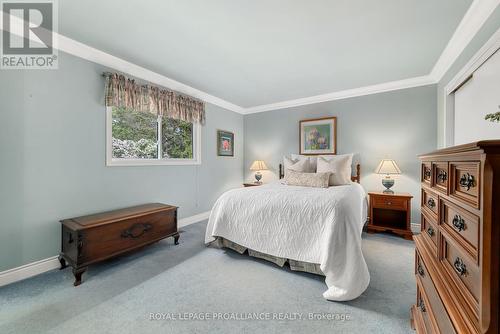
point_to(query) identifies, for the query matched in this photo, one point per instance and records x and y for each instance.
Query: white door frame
(488, 49)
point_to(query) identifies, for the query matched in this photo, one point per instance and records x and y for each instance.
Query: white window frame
(110, 161)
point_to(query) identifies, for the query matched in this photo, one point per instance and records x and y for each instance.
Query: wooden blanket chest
(90, 239)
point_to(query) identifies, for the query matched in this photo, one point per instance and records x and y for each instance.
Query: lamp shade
(258, 165)
(388, 166)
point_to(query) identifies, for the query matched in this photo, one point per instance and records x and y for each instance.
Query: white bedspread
(317, 225)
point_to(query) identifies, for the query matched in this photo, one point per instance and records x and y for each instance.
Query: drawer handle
(388, 203)
(442, 176)
(422, 305)
(136, 231)
(458, 223)
(420, 270)
(430, 231)
(467, 181)
(460, 266)
(427, 173)
(431, 203)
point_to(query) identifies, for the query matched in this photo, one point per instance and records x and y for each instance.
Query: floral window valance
(125, 92)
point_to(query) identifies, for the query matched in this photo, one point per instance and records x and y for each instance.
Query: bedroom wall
(484, 34)
(52, 148)
(397, 125)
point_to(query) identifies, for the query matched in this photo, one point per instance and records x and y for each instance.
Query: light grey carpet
(117, 296)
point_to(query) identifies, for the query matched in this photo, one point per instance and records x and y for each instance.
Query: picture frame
(318, 136)
(225, 143)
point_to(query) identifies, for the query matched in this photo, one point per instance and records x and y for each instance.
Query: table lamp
(388, 167)
(258, 165)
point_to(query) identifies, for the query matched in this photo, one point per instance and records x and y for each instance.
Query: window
(141, 138)
(176, 139)
(135, 134)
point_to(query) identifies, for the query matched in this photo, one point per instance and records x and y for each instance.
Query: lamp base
(258, 177)
(388, 183)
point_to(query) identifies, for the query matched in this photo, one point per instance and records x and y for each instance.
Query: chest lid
(117, 215)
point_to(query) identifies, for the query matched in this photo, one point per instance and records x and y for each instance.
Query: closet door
(474, 100)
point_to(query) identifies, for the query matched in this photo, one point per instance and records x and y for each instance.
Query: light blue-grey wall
(486, 31)
(52, 149)
(397, 125)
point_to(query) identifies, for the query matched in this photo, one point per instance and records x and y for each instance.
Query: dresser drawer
(462, 269)
(390, 202)
(426, 172)
(434, 307)
(430, 203)
(466, 273)
(461, 225)
(421, 318)
(430, 233)
(440, 177)
(465, 182)
(102, 241)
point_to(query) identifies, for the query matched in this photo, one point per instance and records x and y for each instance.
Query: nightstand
(251, 184)
(390, 213)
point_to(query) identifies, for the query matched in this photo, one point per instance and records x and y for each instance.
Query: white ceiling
(259, 52)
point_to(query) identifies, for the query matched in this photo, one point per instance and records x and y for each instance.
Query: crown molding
(80, 50)
(470, 24)
(473, 20)
(345, 94)
(481, 56)
(487, 50)
(89, 53)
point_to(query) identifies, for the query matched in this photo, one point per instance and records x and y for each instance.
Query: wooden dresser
(457, 252)
(90, 239)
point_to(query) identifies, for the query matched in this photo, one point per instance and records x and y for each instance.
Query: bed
(316, 230)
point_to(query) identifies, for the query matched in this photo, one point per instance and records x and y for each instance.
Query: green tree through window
(135, 136)
(177, 139)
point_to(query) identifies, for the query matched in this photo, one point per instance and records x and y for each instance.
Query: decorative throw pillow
(318, 180)
(339, 166)
(296, 165)
(312, 161)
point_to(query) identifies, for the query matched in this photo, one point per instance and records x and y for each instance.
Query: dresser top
(486, 145)
(120, 214)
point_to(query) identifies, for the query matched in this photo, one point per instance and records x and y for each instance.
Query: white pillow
(339, 166)
(312, 161)
(318, 180)
(296, 165)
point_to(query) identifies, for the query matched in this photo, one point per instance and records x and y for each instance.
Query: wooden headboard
(354, 178)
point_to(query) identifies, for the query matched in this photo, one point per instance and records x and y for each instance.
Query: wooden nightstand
(251, 184)
(391, 213)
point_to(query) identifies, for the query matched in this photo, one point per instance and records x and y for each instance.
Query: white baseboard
(415, 227)
(39, 267)
(193, 219)
(28, 270)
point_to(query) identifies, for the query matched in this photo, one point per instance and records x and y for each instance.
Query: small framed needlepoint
(225, 143)
(318, 136)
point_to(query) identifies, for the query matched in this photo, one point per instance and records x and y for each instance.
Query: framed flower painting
(225, 143)
(318, 136)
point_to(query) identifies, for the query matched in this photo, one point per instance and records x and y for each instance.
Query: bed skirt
(307, 267)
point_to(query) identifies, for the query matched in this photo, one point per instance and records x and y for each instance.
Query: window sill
(150, 162)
